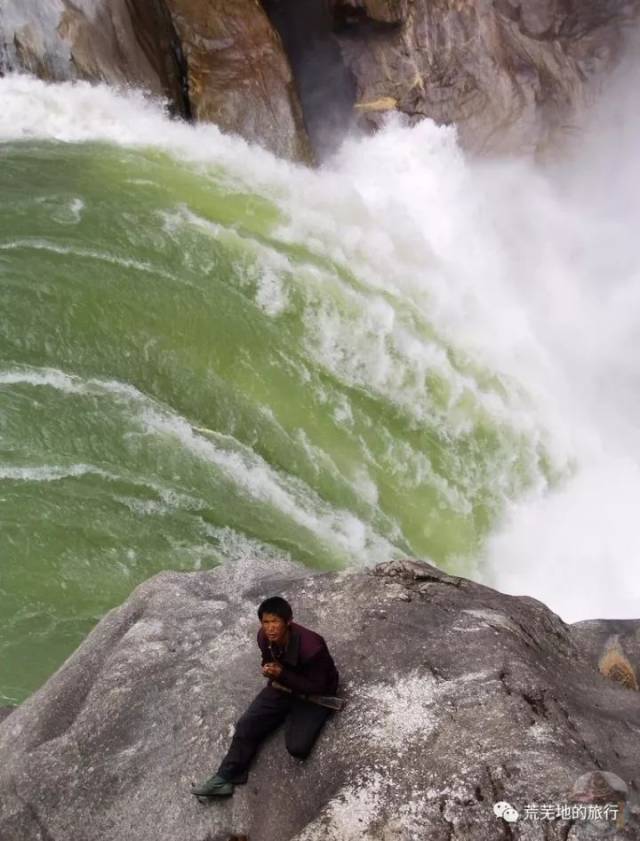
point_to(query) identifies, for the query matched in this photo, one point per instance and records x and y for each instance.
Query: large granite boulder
(458, 698)
(513, 75)
(218, 61)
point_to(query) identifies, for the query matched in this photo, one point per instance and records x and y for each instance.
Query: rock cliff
(458, 697)
(238, 75)
(513, 75)
(115, 41)
(219, 61)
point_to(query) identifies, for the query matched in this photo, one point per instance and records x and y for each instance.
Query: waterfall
(208, 353)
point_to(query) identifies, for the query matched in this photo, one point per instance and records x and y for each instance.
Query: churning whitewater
(208, 353)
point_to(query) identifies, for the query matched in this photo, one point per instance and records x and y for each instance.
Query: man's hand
(272, 670)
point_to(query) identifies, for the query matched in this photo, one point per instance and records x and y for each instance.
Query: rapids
(207, 353)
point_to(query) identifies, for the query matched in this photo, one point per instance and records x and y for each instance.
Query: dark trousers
(267, 711)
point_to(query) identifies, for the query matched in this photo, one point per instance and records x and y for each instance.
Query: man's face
(275, 628)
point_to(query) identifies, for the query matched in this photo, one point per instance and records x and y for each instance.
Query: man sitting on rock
(298, 660)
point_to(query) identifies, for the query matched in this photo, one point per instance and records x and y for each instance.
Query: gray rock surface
(514, 75)
(458, 697)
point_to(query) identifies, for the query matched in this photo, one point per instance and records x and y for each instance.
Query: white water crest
(238, 465)
(534, 274)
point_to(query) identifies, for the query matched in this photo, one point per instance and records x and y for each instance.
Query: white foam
(50, 377)
(346, 533)
(51, 473)
(575, 547)
(242, 468)
(401, 712)
(62, 209)
(83, 253)
(349, 815)
(68, 383)
(78, 112)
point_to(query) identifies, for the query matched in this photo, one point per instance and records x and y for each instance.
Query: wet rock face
(458, 698)
(514, 75)
(238, 74)
(215, 61)
(116, 41)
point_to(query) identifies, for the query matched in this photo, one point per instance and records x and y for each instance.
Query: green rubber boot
(213, 787)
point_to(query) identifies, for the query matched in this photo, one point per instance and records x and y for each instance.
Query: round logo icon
(505, 810)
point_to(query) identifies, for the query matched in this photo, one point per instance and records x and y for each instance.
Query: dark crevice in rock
(498, 794)
(325, 86)
(171, 56)
(502, 677)
(350, 20)
(449, 825)
(537, 702)
(185, 109)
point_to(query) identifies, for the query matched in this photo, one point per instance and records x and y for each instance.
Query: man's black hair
(276, 605)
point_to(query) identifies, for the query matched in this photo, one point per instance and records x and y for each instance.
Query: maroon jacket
(308, 668)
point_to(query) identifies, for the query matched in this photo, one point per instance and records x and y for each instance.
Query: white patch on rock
(494, 618)
(401, 711)
(472, 677)
(348, 816)
(543, 733)
(409, 821)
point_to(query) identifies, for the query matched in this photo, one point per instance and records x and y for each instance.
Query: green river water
(184, 381)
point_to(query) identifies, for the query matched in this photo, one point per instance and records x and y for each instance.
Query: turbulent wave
(206, 352)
